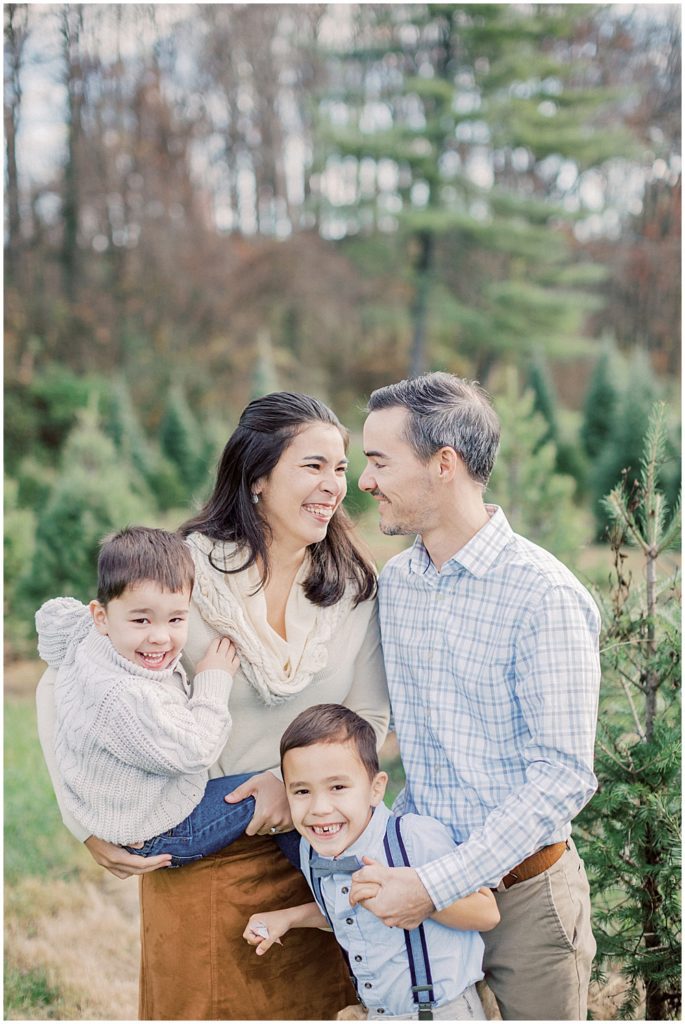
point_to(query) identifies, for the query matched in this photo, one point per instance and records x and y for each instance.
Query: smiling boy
(335, 791)
(133, 740)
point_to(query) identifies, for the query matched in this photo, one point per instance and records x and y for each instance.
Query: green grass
(29, 995)
(36, 842)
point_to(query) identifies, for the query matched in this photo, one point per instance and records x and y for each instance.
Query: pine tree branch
(629, 697)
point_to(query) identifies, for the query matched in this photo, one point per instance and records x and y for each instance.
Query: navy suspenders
(415, 940)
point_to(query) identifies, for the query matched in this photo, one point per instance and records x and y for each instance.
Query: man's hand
(271, 805)
(122, 863)
(402, 901)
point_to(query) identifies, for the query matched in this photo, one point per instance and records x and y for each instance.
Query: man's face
(331, 794)
(401, 484)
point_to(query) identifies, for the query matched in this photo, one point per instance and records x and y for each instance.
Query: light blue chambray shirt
(377, 954)
(493, 672)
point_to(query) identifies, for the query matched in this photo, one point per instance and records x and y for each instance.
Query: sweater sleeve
(160, 731)
(45, 717)
(61, 623)
(368, 695)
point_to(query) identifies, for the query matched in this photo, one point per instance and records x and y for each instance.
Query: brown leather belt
(534, 865)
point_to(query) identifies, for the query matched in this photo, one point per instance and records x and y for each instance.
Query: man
(491, 650)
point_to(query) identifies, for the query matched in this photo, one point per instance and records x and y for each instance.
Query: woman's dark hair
(266, 428)
(333, 723)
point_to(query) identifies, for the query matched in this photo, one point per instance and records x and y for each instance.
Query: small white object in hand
(259, 928)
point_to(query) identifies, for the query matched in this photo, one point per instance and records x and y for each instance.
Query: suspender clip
(425, 1004)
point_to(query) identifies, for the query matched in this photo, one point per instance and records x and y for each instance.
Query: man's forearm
(526, 821)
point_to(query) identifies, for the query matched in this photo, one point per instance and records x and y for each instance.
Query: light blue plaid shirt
(493, 671)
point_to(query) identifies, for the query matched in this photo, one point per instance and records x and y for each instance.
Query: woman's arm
(368, 695)
(45, 717)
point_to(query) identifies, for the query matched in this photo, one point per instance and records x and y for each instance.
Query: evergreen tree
(544, 398)
(599, 405)
(95, 493)
(442, 116)
(121, 423)
(264, 376)
(161, 477)
(630, 833)
(622, 452)
(181, 441)
(536, 499)
(18, 549)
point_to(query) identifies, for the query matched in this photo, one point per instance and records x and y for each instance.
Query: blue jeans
(212, 825)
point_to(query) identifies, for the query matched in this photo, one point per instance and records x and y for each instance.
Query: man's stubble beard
(419, 524)
(393, 530)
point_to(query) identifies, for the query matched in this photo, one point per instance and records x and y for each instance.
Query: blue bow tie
(322, 867)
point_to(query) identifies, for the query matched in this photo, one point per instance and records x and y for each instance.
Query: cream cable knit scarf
(221, 603)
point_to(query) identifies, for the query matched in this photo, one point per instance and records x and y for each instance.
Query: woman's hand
(120, 862)
(272, 813)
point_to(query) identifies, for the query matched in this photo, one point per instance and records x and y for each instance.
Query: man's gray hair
(446, 410)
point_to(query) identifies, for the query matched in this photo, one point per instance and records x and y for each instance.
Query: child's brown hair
(333, 723)
(140, 553)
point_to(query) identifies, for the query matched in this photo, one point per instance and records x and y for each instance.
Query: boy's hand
(221, 654)
(264, 929)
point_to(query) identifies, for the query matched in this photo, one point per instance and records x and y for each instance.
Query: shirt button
(349, 920)
(367, 984)
(358, 959)
(344, 889)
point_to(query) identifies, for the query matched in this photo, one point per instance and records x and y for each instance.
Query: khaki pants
(538, 958)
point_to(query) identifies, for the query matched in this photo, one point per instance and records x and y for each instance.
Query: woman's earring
(254, 498)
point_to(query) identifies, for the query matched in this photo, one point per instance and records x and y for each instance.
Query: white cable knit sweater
(132, 746)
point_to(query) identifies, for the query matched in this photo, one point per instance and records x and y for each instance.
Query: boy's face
(147, 625)
(330, 794)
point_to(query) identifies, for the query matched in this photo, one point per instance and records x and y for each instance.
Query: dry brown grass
(85, 936)
(21, 677)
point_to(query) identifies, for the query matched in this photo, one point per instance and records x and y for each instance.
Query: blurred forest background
(204, 203)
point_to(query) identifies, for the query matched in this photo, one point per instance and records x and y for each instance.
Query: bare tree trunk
(419, 314)
(72, 22)
(15, 38)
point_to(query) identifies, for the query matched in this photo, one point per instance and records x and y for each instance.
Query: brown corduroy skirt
(195, 964)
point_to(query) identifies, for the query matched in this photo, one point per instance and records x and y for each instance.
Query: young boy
(335, 791)
(133, 741)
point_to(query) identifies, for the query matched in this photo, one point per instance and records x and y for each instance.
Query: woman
(277, 570)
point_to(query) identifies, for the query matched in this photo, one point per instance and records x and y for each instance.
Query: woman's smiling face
(305, 488)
